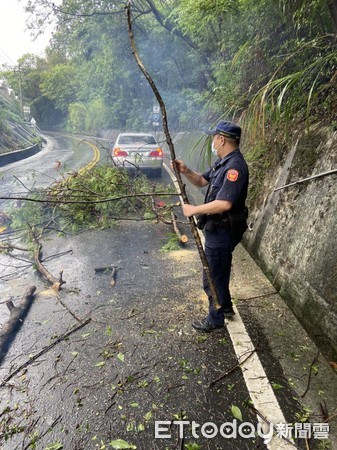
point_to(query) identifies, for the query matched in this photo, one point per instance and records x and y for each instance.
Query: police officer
(223, 216)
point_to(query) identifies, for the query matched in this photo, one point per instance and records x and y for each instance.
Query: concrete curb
(8, 158)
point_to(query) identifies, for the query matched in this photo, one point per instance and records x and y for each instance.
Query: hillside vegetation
(267, 61)
(15, 134)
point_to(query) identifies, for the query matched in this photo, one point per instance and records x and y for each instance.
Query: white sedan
(138, 151)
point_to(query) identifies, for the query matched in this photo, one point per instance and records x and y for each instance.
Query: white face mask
(214, 150)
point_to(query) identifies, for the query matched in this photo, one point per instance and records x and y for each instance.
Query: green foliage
(191, 446)
(98, 115)
(265, 60)
(121, 444)
(93, 199)
(77, 116)
(309, 16)
(294, 94)
(24, 213)
(96, 185)
(203, 18)
(60, 85)
(236, 412)
(304, 414)
(171, 244)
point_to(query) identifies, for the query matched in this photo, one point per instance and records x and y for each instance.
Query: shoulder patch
(232, 175)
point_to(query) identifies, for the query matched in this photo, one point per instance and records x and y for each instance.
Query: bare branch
(310, 373)
(87, 202)
(42, 352)
(55, 282)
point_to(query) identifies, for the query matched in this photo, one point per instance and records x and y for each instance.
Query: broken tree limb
(55, 282)
(182, 237)
(35, 438)
(17, 314)
(111, 269)
(42, 352)
(169, 142)
(6, 246)
(113, 276)
(103, 269)
(310, 373)
(232, 369)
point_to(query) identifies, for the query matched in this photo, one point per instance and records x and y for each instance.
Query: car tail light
(158, 152)
(119, 152)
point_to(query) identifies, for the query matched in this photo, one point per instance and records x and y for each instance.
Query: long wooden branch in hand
(17, 314)
(169, 142)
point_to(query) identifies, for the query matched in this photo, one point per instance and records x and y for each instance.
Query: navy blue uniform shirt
(228, 180)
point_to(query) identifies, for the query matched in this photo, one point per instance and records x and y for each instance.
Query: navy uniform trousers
(220, 261)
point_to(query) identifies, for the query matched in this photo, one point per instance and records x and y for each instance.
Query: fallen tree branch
(310, 373)
(232, 369)
(113, 276)
(67, 308)
(182, 237)
(324, 411)
(55, 282)
(169, 142)
(103, 269)
(111, 269)
(330, 418)
(17, 314)
(35, 439)
(86, 202)
(5, 246)
(256, 297)
(42, 352)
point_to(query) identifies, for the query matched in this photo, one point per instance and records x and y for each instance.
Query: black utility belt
(212, 225)
(235, 222)
(204, 221)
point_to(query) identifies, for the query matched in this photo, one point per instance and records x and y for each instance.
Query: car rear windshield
(137, 140)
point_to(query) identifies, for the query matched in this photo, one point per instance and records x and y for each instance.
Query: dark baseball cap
(227, 129)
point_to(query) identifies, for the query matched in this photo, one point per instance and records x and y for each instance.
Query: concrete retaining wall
(7, 158)
(294, 237)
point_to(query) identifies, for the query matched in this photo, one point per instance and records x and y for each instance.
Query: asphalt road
(57, 157)
(137, 362)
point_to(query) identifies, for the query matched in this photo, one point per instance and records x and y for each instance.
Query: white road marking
(257, 382)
